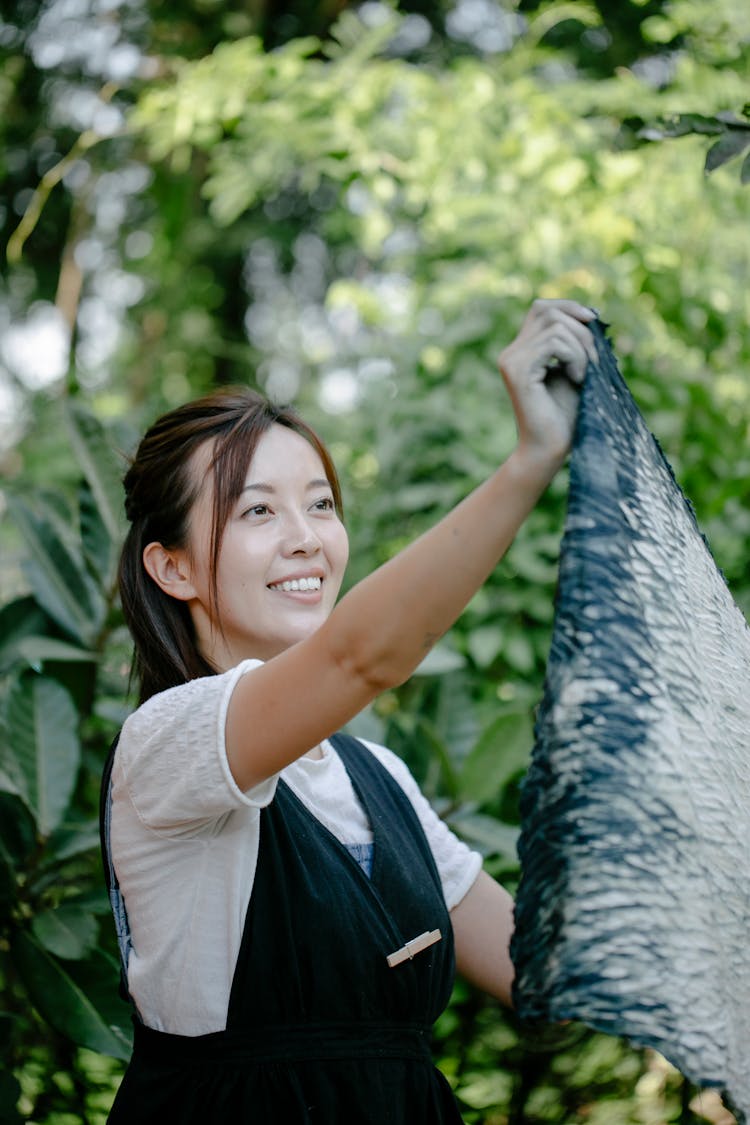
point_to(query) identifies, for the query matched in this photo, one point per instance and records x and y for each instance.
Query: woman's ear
(170, 571)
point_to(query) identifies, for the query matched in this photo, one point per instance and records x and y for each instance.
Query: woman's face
(282, 557)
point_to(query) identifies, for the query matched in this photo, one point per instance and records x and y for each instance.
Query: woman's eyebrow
(261, 486)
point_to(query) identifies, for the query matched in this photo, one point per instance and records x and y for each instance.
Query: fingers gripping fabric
(633, 911)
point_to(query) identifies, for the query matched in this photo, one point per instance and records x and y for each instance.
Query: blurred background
(349, 206)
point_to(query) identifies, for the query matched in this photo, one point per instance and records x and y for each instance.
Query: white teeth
(297, 584)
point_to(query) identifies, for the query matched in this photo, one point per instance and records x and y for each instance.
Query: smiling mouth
(298, 585)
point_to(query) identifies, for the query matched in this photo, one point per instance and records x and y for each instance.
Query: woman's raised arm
(381, 630)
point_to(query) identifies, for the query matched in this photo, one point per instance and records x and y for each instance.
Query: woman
(287, 904)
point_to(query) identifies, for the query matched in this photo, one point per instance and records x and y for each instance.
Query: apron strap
(116, 900)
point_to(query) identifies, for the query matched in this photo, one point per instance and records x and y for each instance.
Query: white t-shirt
(184, 842)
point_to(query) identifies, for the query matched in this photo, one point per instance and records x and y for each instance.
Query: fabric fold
(633, 910)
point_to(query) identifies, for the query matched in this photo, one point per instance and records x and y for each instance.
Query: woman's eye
(257, 510)
(325, 504)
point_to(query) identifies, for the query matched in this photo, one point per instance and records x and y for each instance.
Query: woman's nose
(301, 539)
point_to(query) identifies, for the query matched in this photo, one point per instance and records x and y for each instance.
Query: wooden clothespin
(416, 945)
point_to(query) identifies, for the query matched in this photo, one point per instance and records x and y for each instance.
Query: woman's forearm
(389, 621)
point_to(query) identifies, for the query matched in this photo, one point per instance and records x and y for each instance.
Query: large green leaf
(67, 931)
(100, 465)
(71, 840)
(58, 579)
(79, 999)
(43, 752)
(455, 716)
(17, 837)
(95, 899)
(35, 650)
(485, 833)
(19, 619)
(439, 661)
(502, 750)
(745, 170)
(441, 772)
(99, 547)
(17, 840)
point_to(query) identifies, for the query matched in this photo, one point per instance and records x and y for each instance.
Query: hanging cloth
(633, 911)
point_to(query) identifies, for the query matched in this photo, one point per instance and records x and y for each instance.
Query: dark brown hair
(160, 491)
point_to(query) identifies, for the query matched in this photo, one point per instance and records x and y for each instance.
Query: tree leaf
(439, 661)
(455, 716)
(69, 840)
(727, 117)
(440, 754)
(518, 650)
(79, 999)
(98, 544)
(67, 931)
(730, 145)
(95, 900)
(17, 837)
(100, 466)
(485, 833)
(502, 750)
(43, 752)
(18, 619)
(17, 841)
(681, 125)
(36, 649)
(745, 170)
(484, 644)
(61, 585)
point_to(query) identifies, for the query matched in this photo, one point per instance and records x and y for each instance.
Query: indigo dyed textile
(633, 911)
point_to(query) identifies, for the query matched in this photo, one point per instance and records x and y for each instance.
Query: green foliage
(58, 965)
(77, 999)
(733, 134)
(44, 754)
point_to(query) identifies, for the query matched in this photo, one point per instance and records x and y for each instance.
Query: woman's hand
(543, 369)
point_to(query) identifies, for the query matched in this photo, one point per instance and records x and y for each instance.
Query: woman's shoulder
(171, 758)
(201, 699)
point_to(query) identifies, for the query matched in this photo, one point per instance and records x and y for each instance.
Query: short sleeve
(172, 757)
(458, 866)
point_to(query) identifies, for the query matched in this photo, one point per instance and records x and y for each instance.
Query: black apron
(320, 1029)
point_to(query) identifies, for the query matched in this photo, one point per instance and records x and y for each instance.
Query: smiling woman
(186, 491)
(289, 908)
(281, 558)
